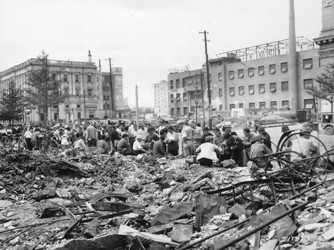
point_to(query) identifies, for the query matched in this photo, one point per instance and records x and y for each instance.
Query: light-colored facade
(82, 81)
(271, 76)
(161, 99)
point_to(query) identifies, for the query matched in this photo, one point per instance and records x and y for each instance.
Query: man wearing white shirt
(303, 145)
(207, 152)
(137, 147)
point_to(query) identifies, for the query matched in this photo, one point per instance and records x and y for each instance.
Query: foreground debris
(103, 202)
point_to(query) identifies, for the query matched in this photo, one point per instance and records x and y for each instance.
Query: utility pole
(207, 76)
(137, 120)
(84, 97)
(202, 95)
(111, 100)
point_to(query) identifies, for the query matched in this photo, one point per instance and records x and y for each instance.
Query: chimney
(89, 56)
(293, 77)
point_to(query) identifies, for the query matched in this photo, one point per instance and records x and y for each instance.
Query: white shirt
(303, 146)
(136, 145)
(208, 150)
(28, 134)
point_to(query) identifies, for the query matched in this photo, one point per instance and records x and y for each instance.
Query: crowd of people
(190, 139)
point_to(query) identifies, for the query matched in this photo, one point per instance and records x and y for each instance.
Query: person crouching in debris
(172, 141)
(207, 152)
(102, 145)
(137, 147)
(233, 148)
(159, 147)
(257, 150)
(123, 146)
(79, 143)
(303, 145)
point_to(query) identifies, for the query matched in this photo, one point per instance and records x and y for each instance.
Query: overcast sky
(145, 37)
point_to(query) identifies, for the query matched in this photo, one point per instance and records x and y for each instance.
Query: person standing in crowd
(207, 152)
(172, 142)
(187, 135)
(91, 135)
(159, 147)
(218, 139)
(133, 132)
(198, 132)
(261, 130)
(113, 137)
(258, 149)
(142, 131)
(27, 136)
(247, 142)
(34, 138)
(162, 125)
(137, 147)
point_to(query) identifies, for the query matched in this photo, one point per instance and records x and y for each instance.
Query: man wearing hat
(137, 147)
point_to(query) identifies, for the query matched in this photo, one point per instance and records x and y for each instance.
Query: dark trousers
(137, 152)
(91, 143)
(173, 148)
(205, 162)
(29, 143)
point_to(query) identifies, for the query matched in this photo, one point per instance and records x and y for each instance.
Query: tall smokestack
(293, 79)
(89, 56)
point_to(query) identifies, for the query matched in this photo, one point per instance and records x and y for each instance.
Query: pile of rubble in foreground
(98, 202)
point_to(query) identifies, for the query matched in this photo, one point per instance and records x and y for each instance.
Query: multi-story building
(81, 81)
(161, 98)
(271, 76)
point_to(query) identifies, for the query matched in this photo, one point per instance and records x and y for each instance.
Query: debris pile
(102, 202)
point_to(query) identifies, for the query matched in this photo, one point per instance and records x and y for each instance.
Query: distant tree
(44, 90)
(12, 105)
(326, 85)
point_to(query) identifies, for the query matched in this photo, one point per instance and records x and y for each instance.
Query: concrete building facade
(266, 77)
(161, 99)
(81, 81)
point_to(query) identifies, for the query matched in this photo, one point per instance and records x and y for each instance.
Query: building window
(185, 97)
(185, 111)
(89, 92)
(308, 83)
(308, 103)
(220, 107)
(178, 111)
(177, 82)
(172, 111)
(241, 105)
(76, 78)
(262, 105)
(171, 98)
(77, 91)
(79, 115)
(285, 86)
(89, 78)
(78, 106)
(262, 88)
(240, 73)
(171, 85)
(261, 70)
(285, 104)
(107, 98)
(251, 72)
(232, 106)
(220, 76)
(272, 69)
(91, 114)
(307, 63)
(183, 83)
(241, 90)
(220, 92)
(284, 67)
(178, 97)
(273, 104)
(273, 87)
(231, 75)
(65, 77)
(232, 91)
(251, 89)
(251, 105)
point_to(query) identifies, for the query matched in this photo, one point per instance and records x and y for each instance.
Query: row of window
(308, 83)
(262, 105)
(178, 97)
(77, 91)
(178, 111)
(65, 77)
(307, 64)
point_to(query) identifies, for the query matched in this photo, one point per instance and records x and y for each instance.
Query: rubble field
(99, 202)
